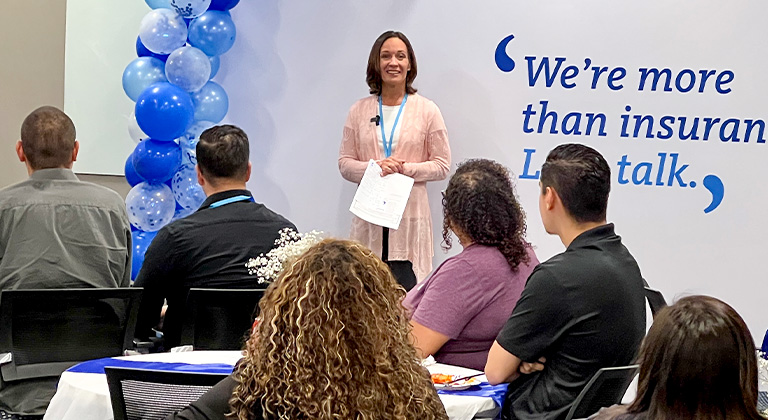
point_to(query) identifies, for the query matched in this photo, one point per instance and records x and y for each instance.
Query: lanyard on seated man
(231, 200)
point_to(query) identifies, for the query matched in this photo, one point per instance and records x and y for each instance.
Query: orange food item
(439, 378)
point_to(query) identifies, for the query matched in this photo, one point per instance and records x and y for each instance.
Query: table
(84, 395)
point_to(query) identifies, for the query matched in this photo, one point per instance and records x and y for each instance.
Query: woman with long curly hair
(697, 362)
(332, 343)
(459, 310)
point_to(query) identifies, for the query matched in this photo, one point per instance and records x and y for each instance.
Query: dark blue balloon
(142, 51)
(213, 32)
(130, 172)
(164, 111)
(223, 4)
(156, 161)
(141, 241)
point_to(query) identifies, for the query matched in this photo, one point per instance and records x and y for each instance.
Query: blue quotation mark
(504, 62)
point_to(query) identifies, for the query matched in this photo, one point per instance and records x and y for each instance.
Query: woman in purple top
(458, 311)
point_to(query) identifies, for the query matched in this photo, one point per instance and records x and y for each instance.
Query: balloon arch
(178, 48)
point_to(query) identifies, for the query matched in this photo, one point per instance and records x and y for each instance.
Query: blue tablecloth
(98, 365)
(496, 392)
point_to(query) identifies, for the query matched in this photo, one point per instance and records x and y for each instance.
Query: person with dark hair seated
(459, 310)
(332, 343)
(696, 363)
(581, 310)
(209, 248)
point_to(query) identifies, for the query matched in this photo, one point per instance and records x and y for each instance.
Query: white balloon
(162, 31)
(188, 68)
(150, 206)
(188, 193)
(190, 8)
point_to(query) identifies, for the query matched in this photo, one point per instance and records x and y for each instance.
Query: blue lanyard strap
(231, 200)
(388, 145)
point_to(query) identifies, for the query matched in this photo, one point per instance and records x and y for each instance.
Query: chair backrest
(604, 390)
(655, 300)
(219, 319)
(140, 394)
(45, 331)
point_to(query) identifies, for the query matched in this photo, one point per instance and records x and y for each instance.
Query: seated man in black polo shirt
(210, 247)
(581, 310)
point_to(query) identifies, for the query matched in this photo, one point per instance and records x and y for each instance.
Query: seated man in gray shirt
(57, 231)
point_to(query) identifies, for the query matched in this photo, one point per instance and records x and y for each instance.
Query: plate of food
(453, 382)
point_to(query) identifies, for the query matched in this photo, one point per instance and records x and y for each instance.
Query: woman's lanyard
(231, 200)
(388, 145)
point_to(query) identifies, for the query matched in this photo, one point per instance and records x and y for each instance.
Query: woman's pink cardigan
(423, 145)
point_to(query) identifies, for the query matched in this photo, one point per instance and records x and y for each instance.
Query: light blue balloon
(150, 206)
(188, 68)
(189, 194)
(215, 63)
(211, 103)
(159, 4)
(213, 32)
(140, 73)
(189, 9)
(162, 31)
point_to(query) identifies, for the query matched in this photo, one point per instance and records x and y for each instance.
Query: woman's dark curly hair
(480, 202)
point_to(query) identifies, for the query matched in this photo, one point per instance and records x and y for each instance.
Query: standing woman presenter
(404, 133)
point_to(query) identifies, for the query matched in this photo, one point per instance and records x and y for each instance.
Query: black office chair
(44, 332)
(655, 300)
(605, 389)
(219, 319)
(140, 394)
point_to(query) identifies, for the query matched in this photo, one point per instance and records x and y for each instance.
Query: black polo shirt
(583, 310)
(208, 248)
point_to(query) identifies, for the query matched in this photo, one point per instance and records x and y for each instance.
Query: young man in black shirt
(210, 247)
(581, 310)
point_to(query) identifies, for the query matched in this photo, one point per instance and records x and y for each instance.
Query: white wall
(297, 67)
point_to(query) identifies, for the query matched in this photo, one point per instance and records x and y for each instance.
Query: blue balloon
(130, 172)
(223, 4)
(211, 103)
(140, 73)
(159, 4)
(156, 161)
(189, 194)
(141, 241)
(213, 32)
(164, 111)
(188, 68)
(215, 63)
(142, 51)
(162, 31)
(190, 8)
(150, 206)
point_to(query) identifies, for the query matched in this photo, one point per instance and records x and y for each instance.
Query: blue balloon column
(178, 51)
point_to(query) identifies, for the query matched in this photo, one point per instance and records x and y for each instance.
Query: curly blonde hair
(333, 343)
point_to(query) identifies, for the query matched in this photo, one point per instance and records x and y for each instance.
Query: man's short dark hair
(48, 138)
(222, 152)
(582, 179)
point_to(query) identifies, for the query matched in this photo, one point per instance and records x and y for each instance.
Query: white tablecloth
(85, 396)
